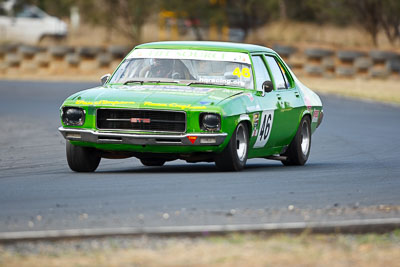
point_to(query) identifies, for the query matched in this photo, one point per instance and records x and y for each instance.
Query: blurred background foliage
(129, 16)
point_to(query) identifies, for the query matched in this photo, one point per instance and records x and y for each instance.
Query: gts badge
(140, 120)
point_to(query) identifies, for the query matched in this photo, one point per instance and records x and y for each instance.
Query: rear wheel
(152, 162)
(82, 159)
(299, 149)
(234, 156)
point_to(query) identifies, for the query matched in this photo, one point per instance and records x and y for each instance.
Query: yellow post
(174, 29)
(225, 33)
(213, 32)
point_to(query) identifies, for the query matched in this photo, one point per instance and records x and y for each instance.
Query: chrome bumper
(142, 139)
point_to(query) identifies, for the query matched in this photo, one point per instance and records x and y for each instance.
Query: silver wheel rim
(305, 138)
(241, 142)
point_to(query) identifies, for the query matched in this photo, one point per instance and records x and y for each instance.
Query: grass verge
(232, 250)
(385, 91)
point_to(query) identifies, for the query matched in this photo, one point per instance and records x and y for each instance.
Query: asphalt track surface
(353, 173)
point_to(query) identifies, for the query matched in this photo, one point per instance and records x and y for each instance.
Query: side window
(260, 70)
(280, 78)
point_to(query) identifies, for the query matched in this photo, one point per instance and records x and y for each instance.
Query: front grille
(141, 120)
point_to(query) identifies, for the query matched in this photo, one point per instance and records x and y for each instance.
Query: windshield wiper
(200, 83)
(163, 81)
(148, 81)
(133, 81)
(219, 84)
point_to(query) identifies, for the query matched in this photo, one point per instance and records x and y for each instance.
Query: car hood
(156, 96)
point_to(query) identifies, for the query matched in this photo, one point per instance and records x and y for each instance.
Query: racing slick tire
(234, 156)
(152, 162)
(299, 149)
(82, 159)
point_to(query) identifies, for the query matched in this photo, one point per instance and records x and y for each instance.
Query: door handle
(297, 94)
(279, 97)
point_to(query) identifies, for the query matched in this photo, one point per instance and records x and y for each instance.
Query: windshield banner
(191, 54)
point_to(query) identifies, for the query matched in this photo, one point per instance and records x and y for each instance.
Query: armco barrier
(66, 60)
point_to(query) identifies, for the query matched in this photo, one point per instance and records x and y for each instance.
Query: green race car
(196, 101)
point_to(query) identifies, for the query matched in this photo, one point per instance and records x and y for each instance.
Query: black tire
(363, 63)
(284, 50)
(73, 59)
(234, 156)
(349, 56)
(89, 52)
(118, 52)
(60, 51)
(314, 70)
(82, 159)
(298, 151)
(393, 65)
(316, 53)
(13, 60)
(381, 56)
(345, 71)
(152, 162)
(28, 50)
(104, 60)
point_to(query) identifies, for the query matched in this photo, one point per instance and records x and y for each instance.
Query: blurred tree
(250, 14)
(371, 15)
(368, 14)
(298, 10)
(390, 19)
(125, 16)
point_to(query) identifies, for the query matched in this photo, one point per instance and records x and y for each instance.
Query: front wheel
(299, 150)
(234, 156)
(82, 159)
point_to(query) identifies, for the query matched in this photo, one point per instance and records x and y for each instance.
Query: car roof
(206, 45)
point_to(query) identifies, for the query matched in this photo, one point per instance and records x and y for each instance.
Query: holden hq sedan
(194, 101)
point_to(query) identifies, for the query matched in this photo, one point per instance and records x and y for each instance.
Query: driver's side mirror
(105, 78)
(267, 86)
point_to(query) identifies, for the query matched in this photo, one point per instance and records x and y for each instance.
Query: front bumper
(101, 137)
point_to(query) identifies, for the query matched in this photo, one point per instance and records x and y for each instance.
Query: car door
(265, 134)
(289, 101)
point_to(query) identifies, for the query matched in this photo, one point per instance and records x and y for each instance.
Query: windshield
(186, 66)
(31, 12)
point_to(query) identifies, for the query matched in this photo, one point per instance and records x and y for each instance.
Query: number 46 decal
(264, 132)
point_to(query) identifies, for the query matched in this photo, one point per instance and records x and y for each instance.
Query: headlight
(73, 116)
(210, 122)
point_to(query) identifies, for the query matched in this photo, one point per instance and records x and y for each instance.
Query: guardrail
(66, 60)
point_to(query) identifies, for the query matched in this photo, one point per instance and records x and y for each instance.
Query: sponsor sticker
(256, 117)
(172, 105)
(104, 102)
(192, 54)
(315, 115)
(222, 81)
(267, 119)
(255, 131)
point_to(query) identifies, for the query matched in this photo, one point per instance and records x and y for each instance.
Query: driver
(161, 68)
